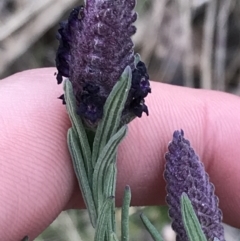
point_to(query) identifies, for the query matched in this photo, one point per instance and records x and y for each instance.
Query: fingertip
(37, 179)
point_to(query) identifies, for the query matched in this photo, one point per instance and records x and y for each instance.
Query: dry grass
(189, 46)
(26, 25)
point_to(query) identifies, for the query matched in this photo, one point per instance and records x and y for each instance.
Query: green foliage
(125, 214)
(96, 169)
(190, 220)
(151, 229)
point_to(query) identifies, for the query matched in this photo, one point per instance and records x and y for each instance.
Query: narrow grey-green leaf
(109, 187)
(109, 225)
(79, 127)
(151, 229)
(103, 219)
(113, 108)
(81, 175)
(137, 58)
(109, 178)
(125, 214)
(104, 160)
(190, 220)
(113, 237)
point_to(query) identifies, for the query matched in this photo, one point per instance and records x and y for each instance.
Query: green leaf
(81, 174)
(190, 220)
(137, 58)
(110, 178)
(125, 214)
(79, 128)
(107, 157)
(129, 116)
(151, 229)
(113, 108)
(109, 188)
(113, 237)
(104, 216)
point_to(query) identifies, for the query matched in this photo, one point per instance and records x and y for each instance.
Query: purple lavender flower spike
(184, 172)
(95, 47)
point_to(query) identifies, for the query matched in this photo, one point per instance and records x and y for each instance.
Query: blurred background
(193, 43)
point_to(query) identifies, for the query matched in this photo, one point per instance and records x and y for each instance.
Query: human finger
(39, 121)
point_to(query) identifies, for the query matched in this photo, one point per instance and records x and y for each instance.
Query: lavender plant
(187, 182)
(105, 89)
(193, 206)
(95, 48)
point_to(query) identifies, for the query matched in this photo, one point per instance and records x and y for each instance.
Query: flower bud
(184, 172)
(95, 47)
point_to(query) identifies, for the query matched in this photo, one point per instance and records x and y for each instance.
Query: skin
(36, 174)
